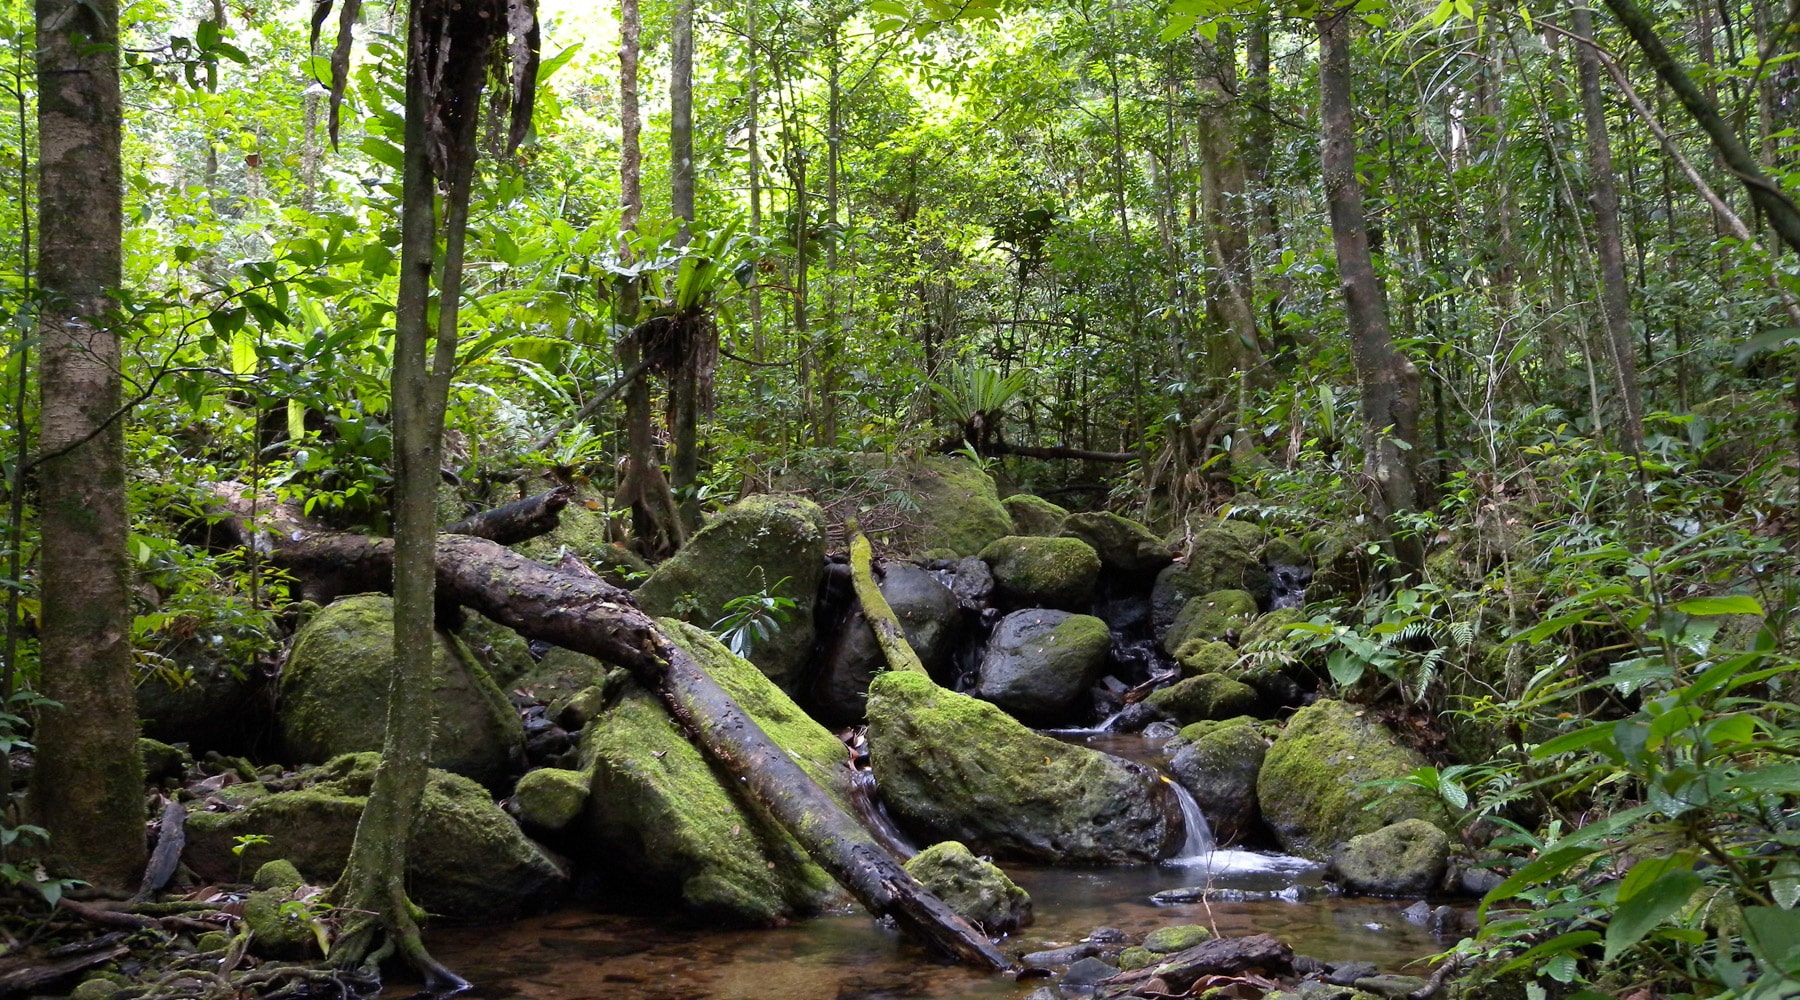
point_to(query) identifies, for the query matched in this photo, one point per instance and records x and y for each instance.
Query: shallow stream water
(584, 955)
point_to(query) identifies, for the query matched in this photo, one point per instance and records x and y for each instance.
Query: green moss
(550, 798)
(1207, 696)
(964, 770)
(1034, 515)
(963, 507)
(660, 810)
(1200, 656)
(1217, 560)
(1124, 545)
(1407, 858)
(1197, 731)
(1271, 627)
(561, 674)
(1044, 572)
(1249, 535)
(334, 694)
(1312, 787)
(503, 653)
(1210, 617)
(751, 546)
(280, 926)
(1136, 958)
(96, 989)
(162, 760)
(977, 890)
(1169, 940)
(1285, 550)
(277, 874)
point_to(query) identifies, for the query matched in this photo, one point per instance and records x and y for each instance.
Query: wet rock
(1347, 973)
(1054, 957)
(1033, 515)
(1126, 548)
(549, 798)
(334, 695)
(162, 760)
(962, 769)
(1217, 560)
(1390, 986)
(1137, 717)
(1480, 881)
(977, 890)
(1402, 859)
(1218, 766)
(503, 653)
(1312, 787)
(211, 705)
(1043, 572)
(1040, 663)
(1087, 973)
(1208, 696)
(1107, 935)
(974, 584)
(1210, 617)
(772, 543)
(657, 811)
(1418, 913)
(929, 617)
(479, 867)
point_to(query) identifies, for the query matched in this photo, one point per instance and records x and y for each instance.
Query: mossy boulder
(334, 695)
(562, 674)
(977, 890)
(963, 512)
(1217, 559)
(479, 867)
(773, 543)
(1407, 858)
(1207, 696)
(1211, 617)
(658, 810)
(549, 798)
(1043, 572)
(1200, 656)
(1270, 629)
(1033, 515)
(958, 768)
(1040, 663)
(1312, 787)
(1126, 548)
(1343, 567)
(1181, 937)
(503, 653)
(282, 924)
(1217, 763)
(277, 874)
(162, 760)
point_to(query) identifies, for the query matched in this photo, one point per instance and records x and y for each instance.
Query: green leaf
(1774, 937)
(1649, 907)
(1561, 944)
(296, 419)
(1584, 737)
(1346, 667)
(243, 353)
(1720, 606)
(1770, 341)
(382, 151)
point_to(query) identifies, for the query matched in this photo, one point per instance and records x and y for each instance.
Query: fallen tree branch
(1083, 454)
(521, 520)
(167, 856)
(593, 406)
(888, 634)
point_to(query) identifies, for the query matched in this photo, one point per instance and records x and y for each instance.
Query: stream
(579, 954)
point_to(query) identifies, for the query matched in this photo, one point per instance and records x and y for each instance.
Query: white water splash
(1199, 843)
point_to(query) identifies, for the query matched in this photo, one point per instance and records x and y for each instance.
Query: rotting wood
(888, 634)
(519, 521)
(590, 616)
(167, 856)
(1220, 956)
(31, 977)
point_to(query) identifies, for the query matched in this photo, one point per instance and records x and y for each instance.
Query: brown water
(584, 955)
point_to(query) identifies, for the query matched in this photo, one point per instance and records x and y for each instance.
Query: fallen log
(590, 616)
(1220, 956)
(888, 634)
(518, 521)
(167, 856)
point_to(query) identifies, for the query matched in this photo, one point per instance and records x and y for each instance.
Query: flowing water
(584, 955)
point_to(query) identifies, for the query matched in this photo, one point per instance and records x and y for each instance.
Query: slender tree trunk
(684, 384)
(87, 789)
(831, 341)
(1259, 134)
(753, 160)
(1223, 192)
(1615, 297)
(1388, 381)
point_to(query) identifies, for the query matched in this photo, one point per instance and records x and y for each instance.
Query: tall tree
(1603, 196)
(685, 374)
(1224, 192)
(450, 47)
(87, 787)
(1388, 382)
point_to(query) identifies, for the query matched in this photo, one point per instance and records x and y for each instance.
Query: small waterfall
(875, 816)
(1199, 841)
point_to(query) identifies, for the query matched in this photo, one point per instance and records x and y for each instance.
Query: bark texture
(87, 787)
(1388, 382)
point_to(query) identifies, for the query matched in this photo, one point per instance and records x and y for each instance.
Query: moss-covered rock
(1207, 696)
(1271, 628)
(550, 798)
(963, 509)
(1043, 572)
(562, 674)
(977, 890)
(1169, 940)
(1312, 787)
(659, 812)
(503, 653)
(1199, 656)
(1285, 550)
(1136, 957)
(1126, 547)
(773, 543)
(211, 704)
(961, 769)
(1033, 515)
(1343, 568)
(930, 618)
(1217, 763)
(334, 695)
(277, 874)
(1217, 559)
(1039, 663)
(1210, 617)
(479, 867)
(162, 760)
(583, 530)
(1407, 858)
(282, 924)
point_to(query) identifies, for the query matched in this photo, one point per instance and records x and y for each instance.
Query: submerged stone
(961, 769)
(761, 543)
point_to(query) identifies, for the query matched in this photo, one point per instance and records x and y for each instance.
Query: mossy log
(888, 634)
(1217, 957)
(590, 616)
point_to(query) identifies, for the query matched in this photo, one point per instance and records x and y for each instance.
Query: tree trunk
(1615, 298)
(1259, 146)
(87, 789)
(1388, 382)
(590, 616)
(1224, 189)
